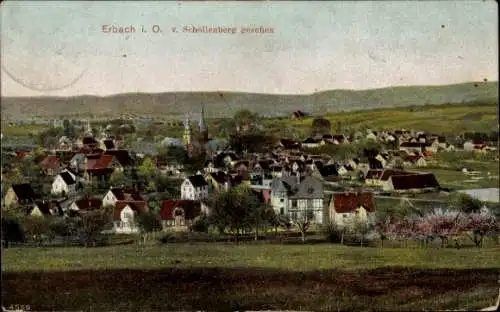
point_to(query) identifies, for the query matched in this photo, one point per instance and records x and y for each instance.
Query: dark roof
(414, 181)
(350, 201)
(126, 195)
(289, 143)
(309, 187)
(328, 170)
(122, 156)
(48, 207)
(374, 174)
(414, 144)
(375, 163)
(67, 178)
(197, 180)
(109, 144)
(220, 177)
(89, 141)
(89, 204)
(311, 140)
(24, 192)
(191, 208)
(386, 174)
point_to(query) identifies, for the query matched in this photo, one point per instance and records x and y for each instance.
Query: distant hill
(221, 104)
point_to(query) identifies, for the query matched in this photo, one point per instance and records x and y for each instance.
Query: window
(282, 211)
(281, 200)
(294, 203)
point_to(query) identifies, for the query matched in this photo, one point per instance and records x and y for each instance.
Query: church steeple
(186, 136)
(202, 125)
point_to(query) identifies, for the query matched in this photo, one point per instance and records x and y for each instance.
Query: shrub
(200, 225)
(333, 233)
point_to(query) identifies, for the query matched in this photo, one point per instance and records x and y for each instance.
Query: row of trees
(442, 224)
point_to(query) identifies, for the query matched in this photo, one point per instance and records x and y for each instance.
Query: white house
(298, 198)
(115, 195)
(351, 208)
(64, 184)
(124, 217)
(194, 188)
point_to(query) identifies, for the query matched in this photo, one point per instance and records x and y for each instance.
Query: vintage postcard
(249, 155)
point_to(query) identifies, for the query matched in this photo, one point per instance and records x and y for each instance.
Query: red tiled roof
(89, 204)
(99, 163)
(51, 162)
(21, 154)
(350, 201)
(192, 209)
(137, 206)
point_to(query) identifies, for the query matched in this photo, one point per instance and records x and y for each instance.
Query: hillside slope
(221, 104)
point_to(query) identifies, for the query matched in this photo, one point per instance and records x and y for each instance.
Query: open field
(431, 118)
(458, 180)
(228, 277)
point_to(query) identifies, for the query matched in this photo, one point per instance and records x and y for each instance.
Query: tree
(478, 225)
(119, 179)
(11, 230)
(320, 126)
(90, 225)
(302, 220)
(466, 203)
(232, 209)
(148, 168)
(148, 222)
(36, 228)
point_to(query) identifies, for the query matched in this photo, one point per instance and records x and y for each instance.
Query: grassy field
(436, 118)
(22, 130)
(228, 277)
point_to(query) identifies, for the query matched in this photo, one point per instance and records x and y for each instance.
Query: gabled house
(43, 208)
(64, 184)
(349, 208)
(51, 165)
(194, 188)
(372, 177)
(125, 215)
(100, 166)
(178, 215)
(412, 182)
(85, 205)
(298, 198)
(123, 157)
(115, 195)
(218, 181)
(20, 194)
(414, 160)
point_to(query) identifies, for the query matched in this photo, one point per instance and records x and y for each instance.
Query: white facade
(60, 187)
(127, 223)
(109, 199)
(189, 191)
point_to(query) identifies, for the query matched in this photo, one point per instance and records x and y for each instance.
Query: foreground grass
(230, 277)
(272, 256)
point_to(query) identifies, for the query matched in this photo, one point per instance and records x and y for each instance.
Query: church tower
(187, 135)
(203, 127)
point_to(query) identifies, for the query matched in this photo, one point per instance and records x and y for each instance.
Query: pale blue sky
(315, 46)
